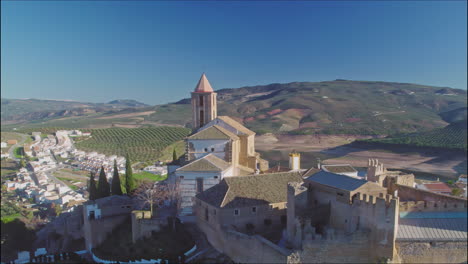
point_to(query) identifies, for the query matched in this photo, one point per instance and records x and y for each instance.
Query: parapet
(428, 206)
(364, 199)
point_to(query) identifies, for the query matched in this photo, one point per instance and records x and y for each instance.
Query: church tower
(204, 107)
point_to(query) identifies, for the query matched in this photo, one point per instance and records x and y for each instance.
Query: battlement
(430, 206)
(366, 200)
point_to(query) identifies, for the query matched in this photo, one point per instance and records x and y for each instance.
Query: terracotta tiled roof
(203, 85)
(252, 190)
(233, 123)
(207, 163)
(438, 187)
(214, 132)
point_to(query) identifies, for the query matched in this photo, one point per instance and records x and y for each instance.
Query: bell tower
(204, 107)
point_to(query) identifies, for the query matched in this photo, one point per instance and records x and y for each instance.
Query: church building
(218, 147)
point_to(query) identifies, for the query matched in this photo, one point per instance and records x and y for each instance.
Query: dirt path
(445, 163)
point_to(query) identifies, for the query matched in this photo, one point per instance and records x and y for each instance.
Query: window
(267, 222)
(91, 215)
(199, 185)
(236, 212)
(284, 219)
(254, 210)
(206, 214)
(216, 177)
(181, 177)
(212, 149)
(340, 194)
(201, 100)
(202, 118)
(206, 149)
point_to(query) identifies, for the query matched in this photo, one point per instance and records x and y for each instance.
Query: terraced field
(142, 144)
(452, 136)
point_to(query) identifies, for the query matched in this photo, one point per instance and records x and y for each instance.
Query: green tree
(103, 188)
(115, 187)
(456, 192)
(174, 155)
(129, 181)
(22, 163)
(92, 187)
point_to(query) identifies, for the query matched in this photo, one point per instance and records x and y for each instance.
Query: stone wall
(406, 193)
(143, 224)
(431, 206)
(214, 216)
(432, 252)
(242, 248)
(96, 231)
(351, 249)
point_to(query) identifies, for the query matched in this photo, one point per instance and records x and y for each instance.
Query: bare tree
(147, 194)
(159, 194)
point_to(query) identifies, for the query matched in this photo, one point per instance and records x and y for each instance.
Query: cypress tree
(115, 188)
(174, 155)
(129, 181)
(92, 187)
(103, 188)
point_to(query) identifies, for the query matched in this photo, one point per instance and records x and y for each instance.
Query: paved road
(24, 137)
(52, 177)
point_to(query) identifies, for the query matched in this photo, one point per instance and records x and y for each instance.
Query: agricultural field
(452, 136)
(141, 144)
(144, 175)
(9, 167)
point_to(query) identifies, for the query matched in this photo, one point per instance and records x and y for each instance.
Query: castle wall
(143, 224)
(107, 217)
(352, 249)
(242, 248)
(226, 217)
(432, 252)
(96, 231)
(406, 193)
(431, 206)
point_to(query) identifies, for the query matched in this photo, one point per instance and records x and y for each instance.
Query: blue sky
(155, 51)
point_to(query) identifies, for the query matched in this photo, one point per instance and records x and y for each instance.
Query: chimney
(294, 160)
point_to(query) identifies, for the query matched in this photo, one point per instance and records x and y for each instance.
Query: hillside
(141, 144)
(331, 107)
(453, 136)
(26, 110)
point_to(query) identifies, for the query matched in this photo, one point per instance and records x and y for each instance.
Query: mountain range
(333, 107)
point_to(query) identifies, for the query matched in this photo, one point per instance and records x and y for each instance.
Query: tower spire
(203, 85)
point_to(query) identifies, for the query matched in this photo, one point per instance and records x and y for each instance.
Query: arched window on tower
(201, 100)
(202, 117)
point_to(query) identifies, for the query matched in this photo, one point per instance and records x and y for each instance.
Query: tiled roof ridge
(226, 132)
(265, 174)
(218, 128)
(236, 125)
(211, 162)
(190, 163)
